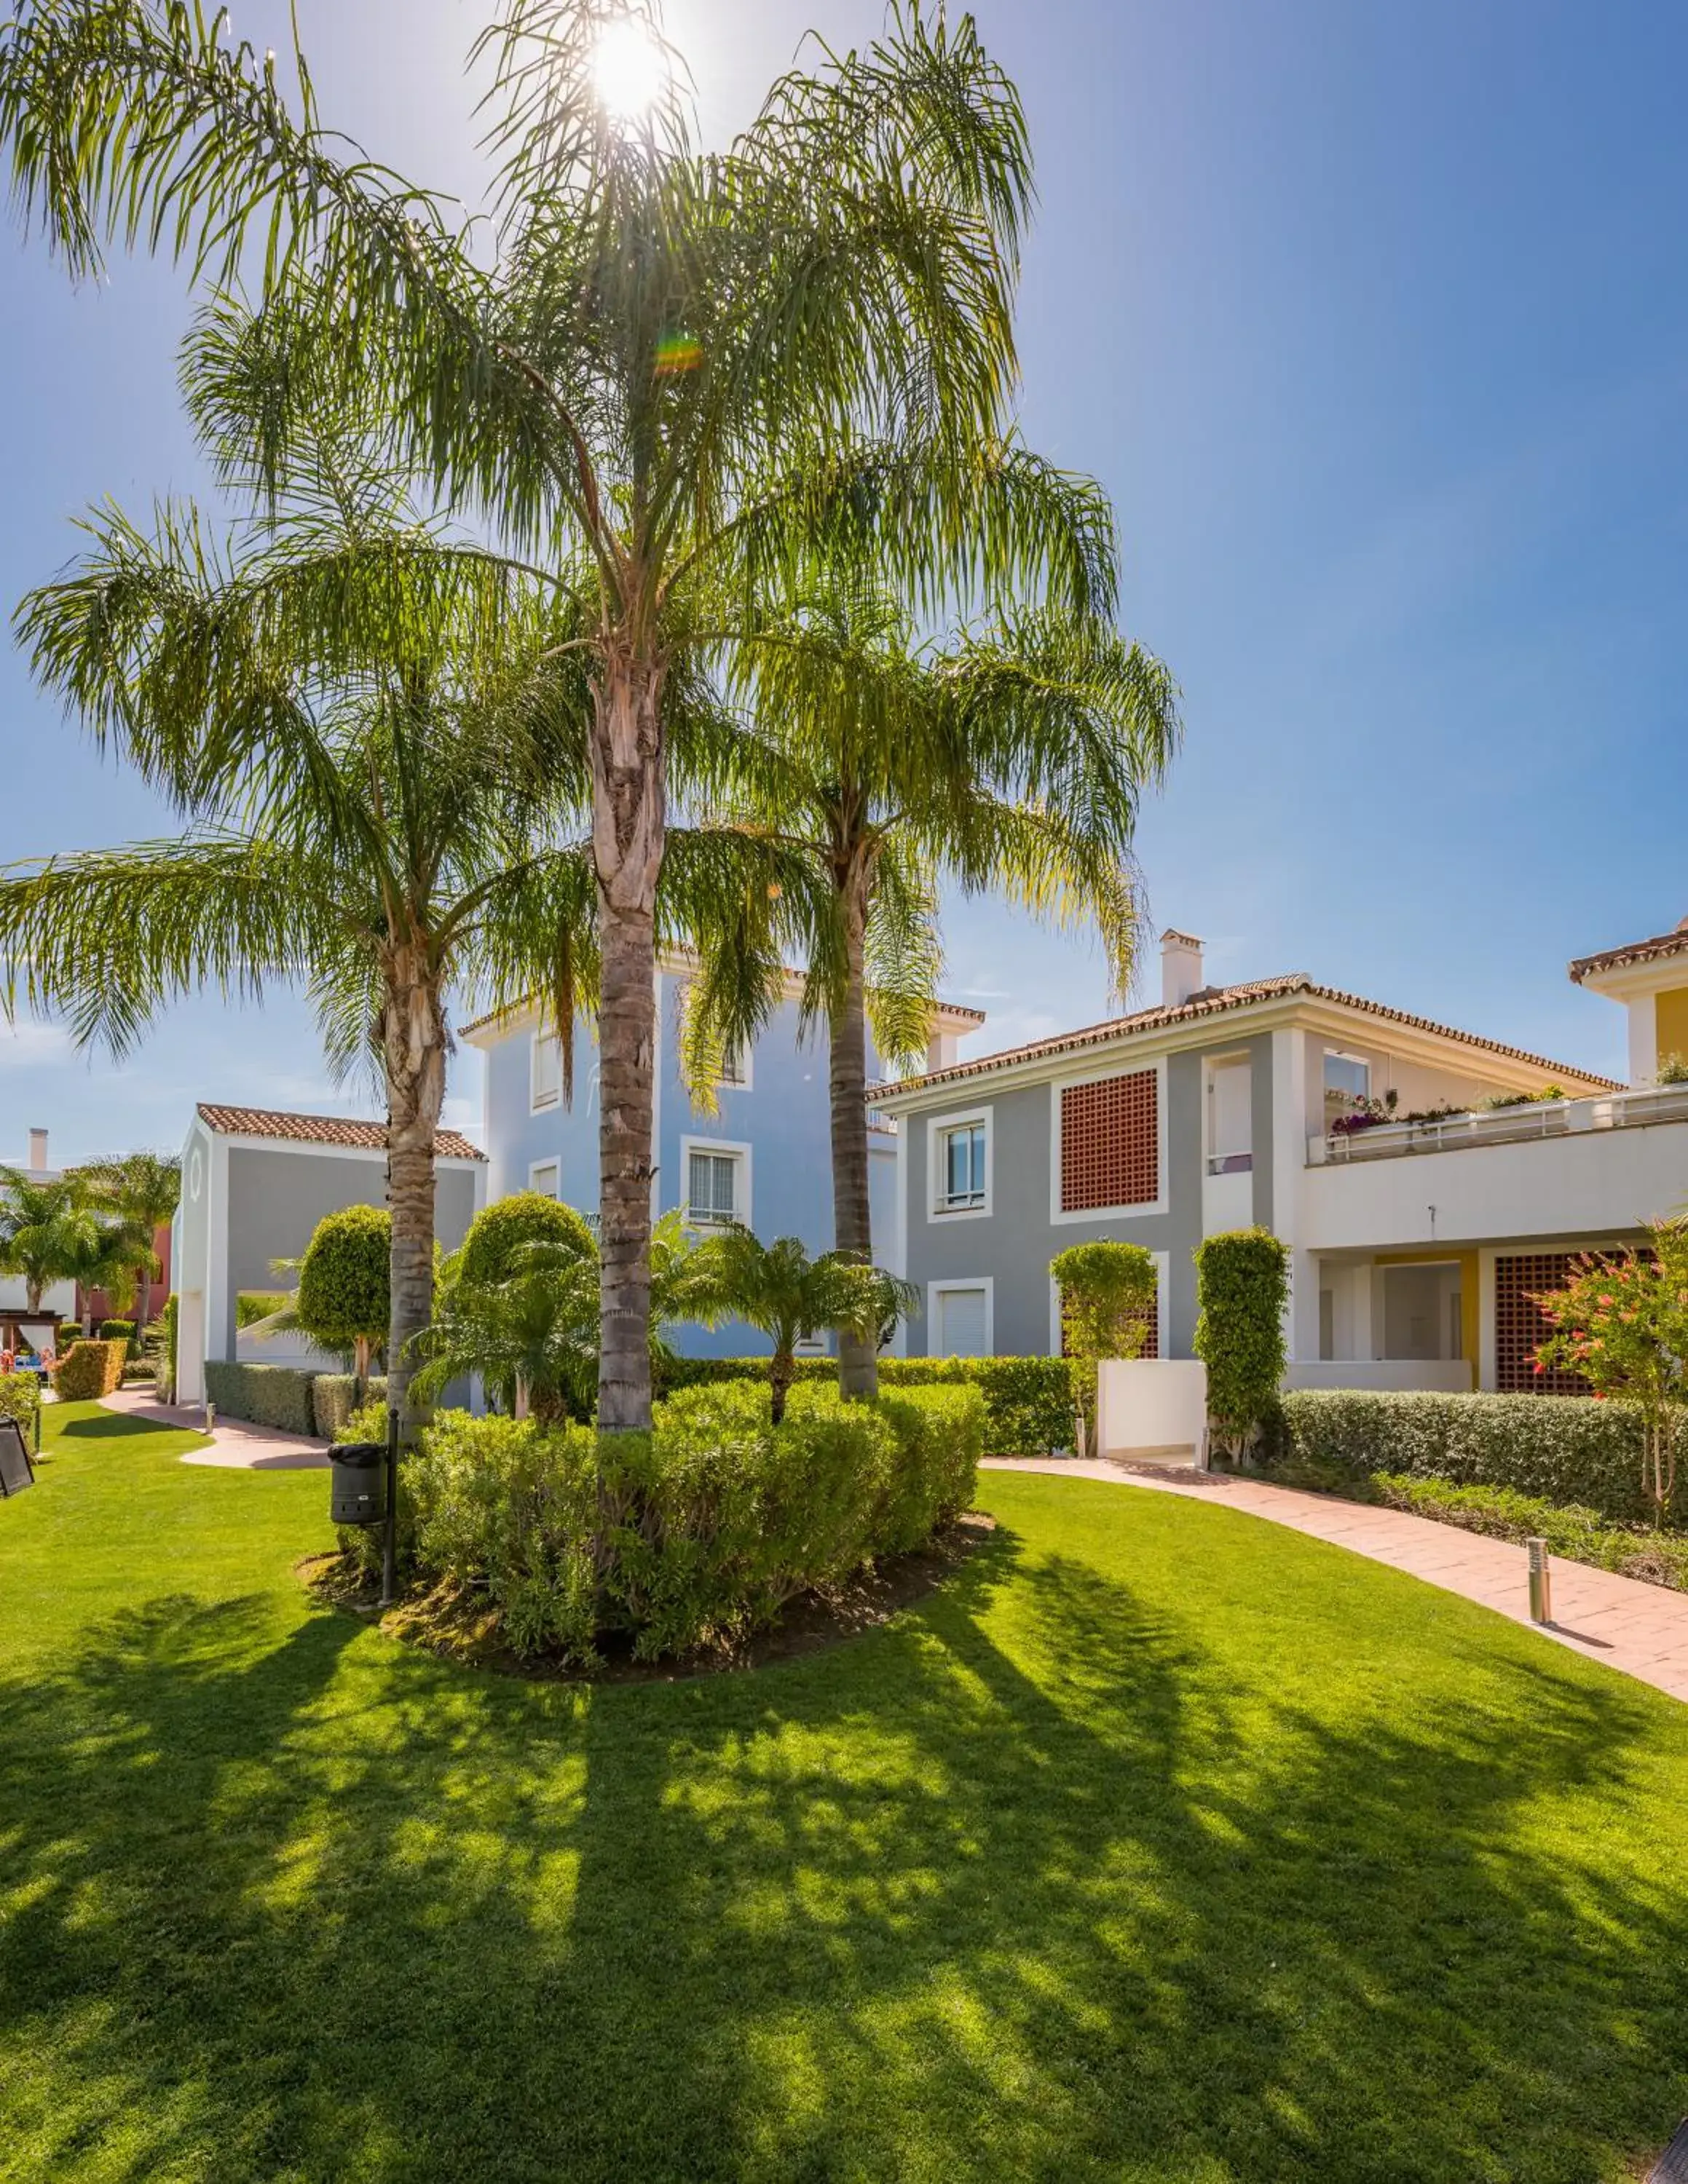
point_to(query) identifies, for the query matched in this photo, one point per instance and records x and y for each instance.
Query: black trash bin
(360, 1495)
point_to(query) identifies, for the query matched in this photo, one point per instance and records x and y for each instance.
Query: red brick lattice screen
(1111, 1142)
(1151, 1334)
(1521, 1327)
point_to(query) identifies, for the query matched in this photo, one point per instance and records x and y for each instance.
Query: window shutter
(961, 1323)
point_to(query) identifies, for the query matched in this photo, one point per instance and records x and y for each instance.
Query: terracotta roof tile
(1638, 952)
(322, 1130)
(1215, 1001)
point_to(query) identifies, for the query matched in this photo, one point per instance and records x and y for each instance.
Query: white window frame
(542, 1103)
(553, 1167)
(1242, 1059)
(938, 1127)
(1327, 1090)
(733, 1148)
(934, 1290)
(746, 1061)
(1154, 1207)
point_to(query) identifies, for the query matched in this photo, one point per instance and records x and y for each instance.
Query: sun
(629, 69)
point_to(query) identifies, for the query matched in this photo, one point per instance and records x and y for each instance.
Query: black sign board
(16, 1471)
(1672, 2163)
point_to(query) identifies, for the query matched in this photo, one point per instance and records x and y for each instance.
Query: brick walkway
(1641, 1630)
(235, 1445)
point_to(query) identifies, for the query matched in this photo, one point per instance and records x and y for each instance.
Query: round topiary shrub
(344, 1298)
(490, 1252)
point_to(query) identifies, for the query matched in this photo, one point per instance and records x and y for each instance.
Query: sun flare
(629, 69)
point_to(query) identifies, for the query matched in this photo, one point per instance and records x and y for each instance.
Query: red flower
(1540, 1367)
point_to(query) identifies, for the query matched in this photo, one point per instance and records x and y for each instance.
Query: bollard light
(1540, 1582)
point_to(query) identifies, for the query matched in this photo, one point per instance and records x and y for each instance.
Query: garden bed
(458, 1624)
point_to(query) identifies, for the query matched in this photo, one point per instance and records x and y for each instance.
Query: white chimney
(37, 1152)
(1181, 968)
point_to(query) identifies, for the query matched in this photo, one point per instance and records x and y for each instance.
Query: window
(1348, 1081)
(717, 1181)
(735, 1070)
(958, 1165)
(546, 1177)
(1111, 1142)
(960, 1319)
(545, 1072)
(1230, 1117)
(961, 1180)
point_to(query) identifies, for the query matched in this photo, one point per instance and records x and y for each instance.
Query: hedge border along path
(1158, 1848)
(1640, 1630)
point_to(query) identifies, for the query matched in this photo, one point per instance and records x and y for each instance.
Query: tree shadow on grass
(1016, 1887)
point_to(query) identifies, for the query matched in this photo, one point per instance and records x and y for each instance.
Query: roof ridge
(1213, 1001)
(355, 1133)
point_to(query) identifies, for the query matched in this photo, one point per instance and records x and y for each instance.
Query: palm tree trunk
(413, 1041)
(851, 1214)
(630, 825)
(781, 1371)
(144, 1319)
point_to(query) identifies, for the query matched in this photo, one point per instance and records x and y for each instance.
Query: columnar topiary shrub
(343, 1300)
(1107, 1300)
(1241, 1288)
(166, 1355)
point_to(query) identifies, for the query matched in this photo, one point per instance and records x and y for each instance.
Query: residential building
(764, 1158)
(254, 1184)
(1415, 1244)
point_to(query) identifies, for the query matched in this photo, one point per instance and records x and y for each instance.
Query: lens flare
(629, 69)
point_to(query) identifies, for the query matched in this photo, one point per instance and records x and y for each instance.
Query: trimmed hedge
(89, 1370)
(277, 1396)
(332, 1398)
(1550, 1446)
(68, 1331)
(711, 1522)
(119, 1330)
(1028, 1400)
(1582, 1535)
(20, 1399)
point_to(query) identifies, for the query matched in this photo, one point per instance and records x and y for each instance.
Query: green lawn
(1162, 1844)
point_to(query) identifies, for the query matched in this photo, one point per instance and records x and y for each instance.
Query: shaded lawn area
(1162, 1844)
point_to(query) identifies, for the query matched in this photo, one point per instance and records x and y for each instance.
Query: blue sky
(1373, 321)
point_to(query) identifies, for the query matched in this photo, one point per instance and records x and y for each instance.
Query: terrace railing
(1500, 1126)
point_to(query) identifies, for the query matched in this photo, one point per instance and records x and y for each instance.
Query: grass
(1162, 1844)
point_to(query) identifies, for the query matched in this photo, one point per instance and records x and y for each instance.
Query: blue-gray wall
(1012, 1246)
(783, 1115)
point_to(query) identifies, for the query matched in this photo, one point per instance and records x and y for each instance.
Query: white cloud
(35, 1045)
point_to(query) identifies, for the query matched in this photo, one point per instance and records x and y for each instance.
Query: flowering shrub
(1622, 1323)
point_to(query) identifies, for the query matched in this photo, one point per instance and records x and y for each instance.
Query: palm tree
(143, 1190)
(1011, 760)
(534, 1336)
(42, 1225)
(371, 816)
(683, 375)
(785, 1294)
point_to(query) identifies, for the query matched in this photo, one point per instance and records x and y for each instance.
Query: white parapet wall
(1399, 1376)
(1152, 1410)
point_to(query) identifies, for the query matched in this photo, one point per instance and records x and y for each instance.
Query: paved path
(1641, 1630)
(235, 1445)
